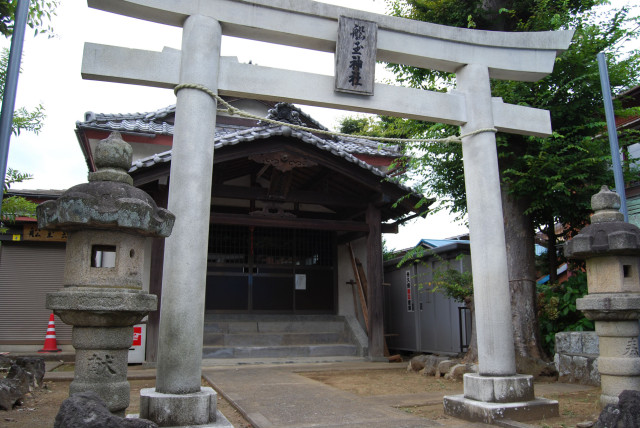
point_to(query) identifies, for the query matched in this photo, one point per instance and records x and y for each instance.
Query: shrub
(557, 309)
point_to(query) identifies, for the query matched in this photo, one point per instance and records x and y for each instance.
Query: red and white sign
(137, 350)
(137, 336)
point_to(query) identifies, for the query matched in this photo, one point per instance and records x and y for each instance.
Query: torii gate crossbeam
(475, 57)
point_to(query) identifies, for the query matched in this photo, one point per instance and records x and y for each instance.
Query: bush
(557, 309)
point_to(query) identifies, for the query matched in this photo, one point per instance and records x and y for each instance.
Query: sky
(51, 77)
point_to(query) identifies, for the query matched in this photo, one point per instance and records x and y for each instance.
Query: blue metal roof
(435, 243)
(560, 270)
(540, 250)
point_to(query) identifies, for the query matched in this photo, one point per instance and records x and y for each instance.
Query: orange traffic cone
(50, 343)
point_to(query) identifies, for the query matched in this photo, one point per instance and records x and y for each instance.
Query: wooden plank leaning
(356, 273)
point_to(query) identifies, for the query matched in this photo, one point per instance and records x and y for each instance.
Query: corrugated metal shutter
(27, 274)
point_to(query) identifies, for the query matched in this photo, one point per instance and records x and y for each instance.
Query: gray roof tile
(252, 134)
(160, 122)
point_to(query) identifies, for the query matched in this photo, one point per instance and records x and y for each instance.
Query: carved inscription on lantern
(356, 56)
(102, 365)
(632, 348)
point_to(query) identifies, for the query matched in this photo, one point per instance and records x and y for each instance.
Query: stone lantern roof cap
(109, 200)
(608, 233)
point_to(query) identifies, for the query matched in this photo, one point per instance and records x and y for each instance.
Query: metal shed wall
(27, 274)
(401, 318)
(633, 209)
(431, 323)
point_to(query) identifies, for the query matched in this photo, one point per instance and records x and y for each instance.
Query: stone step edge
(320, 345)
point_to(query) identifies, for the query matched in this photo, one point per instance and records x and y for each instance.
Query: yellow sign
(32, 233)
(15, 238)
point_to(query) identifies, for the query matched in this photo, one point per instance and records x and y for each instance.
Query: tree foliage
(556, 175)
(23, 119)
(557, 310)
(15, 206)
(39, 17)
(544, 180)
(40, 14)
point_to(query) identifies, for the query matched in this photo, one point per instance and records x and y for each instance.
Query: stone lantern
(611, 248)
(107, 221)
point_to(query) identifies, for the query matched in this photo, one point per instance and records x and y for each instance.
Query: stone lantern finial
(606, 205)
(112, 158)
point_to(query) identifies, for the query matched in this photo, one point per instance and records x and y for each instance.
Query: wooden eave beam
(295, 196)
(292, 223)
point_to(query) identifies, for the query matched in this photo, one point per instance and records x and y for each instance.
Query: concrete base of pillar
(481, 411)
(490, 398)
(498, 389)
(177, 410)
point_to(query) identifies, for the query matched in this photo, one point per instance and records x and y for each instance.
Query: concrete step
(294, 351)
(273, 339)
(276, 336)
(210, 316)
(268, 326)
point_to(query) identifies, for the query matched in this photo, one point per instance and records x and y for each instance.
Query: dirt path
(40, 407)
(413, 391)
(410, 392)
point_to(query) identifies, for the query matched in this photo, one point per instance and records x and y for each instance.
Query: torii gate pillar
(496, 391)
(178, 399)
(496, 355)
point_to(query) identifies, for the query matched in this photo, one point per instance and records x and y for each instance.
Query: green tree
(23, 119)
(544, 181)
(40, 14)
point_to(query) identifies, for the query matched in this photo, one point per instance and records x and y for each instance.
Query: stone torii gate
(474, 56)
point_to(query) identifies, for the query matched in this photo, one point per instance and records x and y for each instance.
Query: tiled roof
(160, 122)
(337, 148)
(628, 121)
(151, 122)
(36, 193)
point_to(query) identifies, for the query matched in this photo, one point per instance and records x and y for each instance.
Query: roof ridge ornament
(283, 112)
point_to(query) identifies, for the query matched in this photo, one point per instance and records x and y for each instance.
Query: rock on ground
(457, 372)
(14, 387)
(626, 414)
(87, 410)
(444, 367)
(24, 374)
(427, 364)
(35, 367)
(417, 363)
(10, 394)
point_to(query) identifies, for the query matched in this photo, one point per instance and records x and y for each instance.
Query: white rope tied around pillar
(229, 109)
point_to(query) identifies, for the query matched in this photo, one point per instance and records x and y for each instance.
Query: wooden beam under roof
(294, 223)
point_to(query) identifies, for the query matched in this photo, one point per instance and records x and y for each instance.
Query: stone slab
(480, 411)
(221, 422)
(273, 396)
